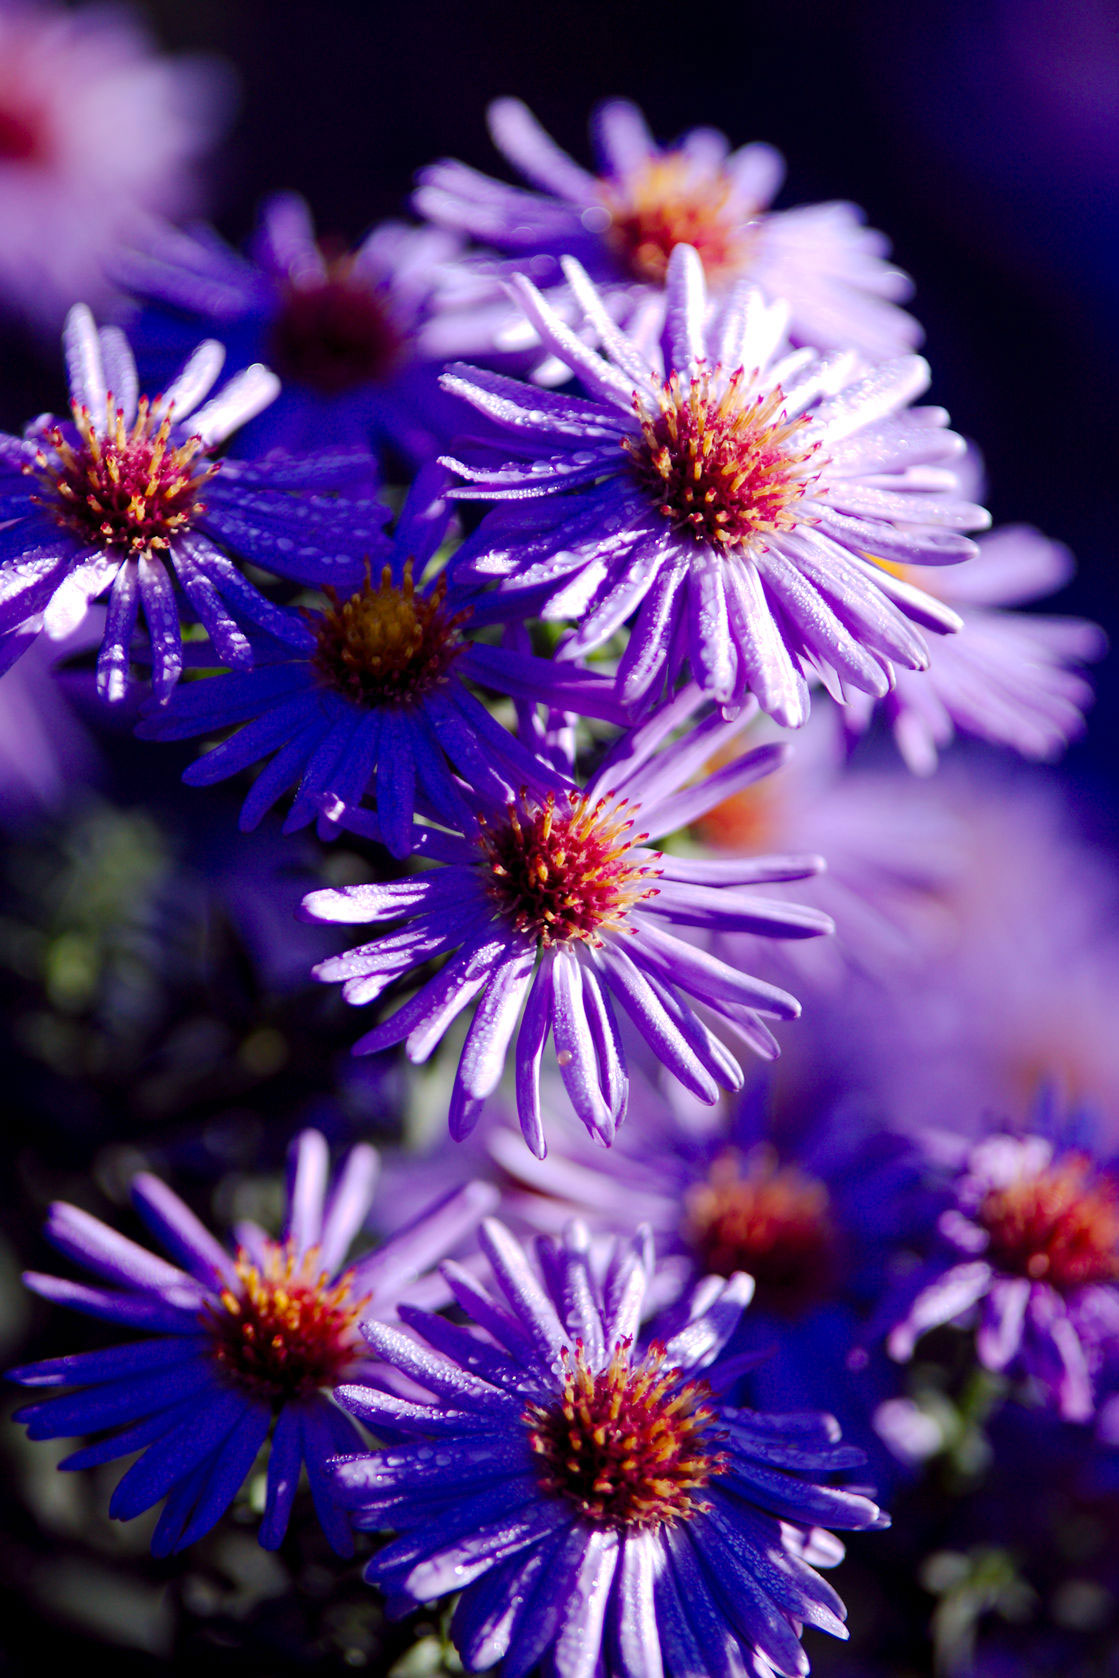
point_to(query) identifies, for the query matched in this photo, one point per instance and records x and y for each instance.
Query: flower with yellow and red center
(1029, 1251)
(624, 223)
(373, 693)
(128, 498)
(553, 901)
(247, 1344)
(357, 337)
(728, 498)
(97, 133)
(599, 1504)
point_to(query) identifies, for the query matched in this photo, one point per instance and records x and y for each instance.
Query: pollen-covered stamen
(667, 202)
(387, 645)
(333, 332)
(131, 489)
(567, 868)
(631, 1445)
(287, 1330)
(719, 461)
(773, 1221)
(1059, 1225)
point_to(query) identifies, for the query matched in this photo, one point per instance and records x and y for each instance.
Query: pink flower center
(722, 465)
(567, 869)
(668, 202)
(387, 645)
(287, 1330)
(334, 333)
(128, 490)
(772, 1221)
(1060, 1225)
(630, 1446)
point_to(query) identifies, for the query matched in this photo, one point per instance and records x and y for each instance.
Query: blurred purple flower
(357, 337)
(600, 1506)
(624, 223)
(1029, 1251)
(729, 496)
(1008, 677)
(96, 133)
(246, 1344)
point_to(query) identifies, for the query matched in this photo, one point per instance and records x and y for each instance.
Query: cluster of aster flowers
(543, 563)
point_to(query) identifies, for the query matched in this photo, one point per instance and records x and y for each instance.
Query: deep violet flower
(554, 901)
(729, 496)
(245, 1346)
(375, 694)
(623, 224)
(599, 1504)
(1029, 1252)
(813, 1213)
(1008, 677)
(129, 496)
(96, 133)
(357, 337)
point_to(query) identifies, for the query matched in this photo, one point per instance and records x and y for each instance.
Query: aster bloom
(356, 336)
(624, 223)
(1029, 1251)
(598, 1503)
(375, 693)
(1009, 677)
(129, 496)
(245, 1343)
(730, 497)
(554, 901)
(814, 1213)
(96, 133)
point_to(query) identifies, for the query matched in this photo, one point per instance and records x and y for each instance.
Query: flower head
(128, 495)
(596, 1500)
(733, 499)
(355, 336)
(1030, 1248)
(370, 693)
(552, 899)
(624, 223)
(96, 133)
(247, 1343)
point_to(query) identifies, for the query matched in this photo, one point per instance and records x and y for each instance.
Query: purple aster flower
(1009, 677)
(357, 337)
(1029, 1252)
(624, 223)
(598, 1503)
(554, 902)
(731, 497)
(375, 694)
(245, 1344)
(129, 496)
(96, 132)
